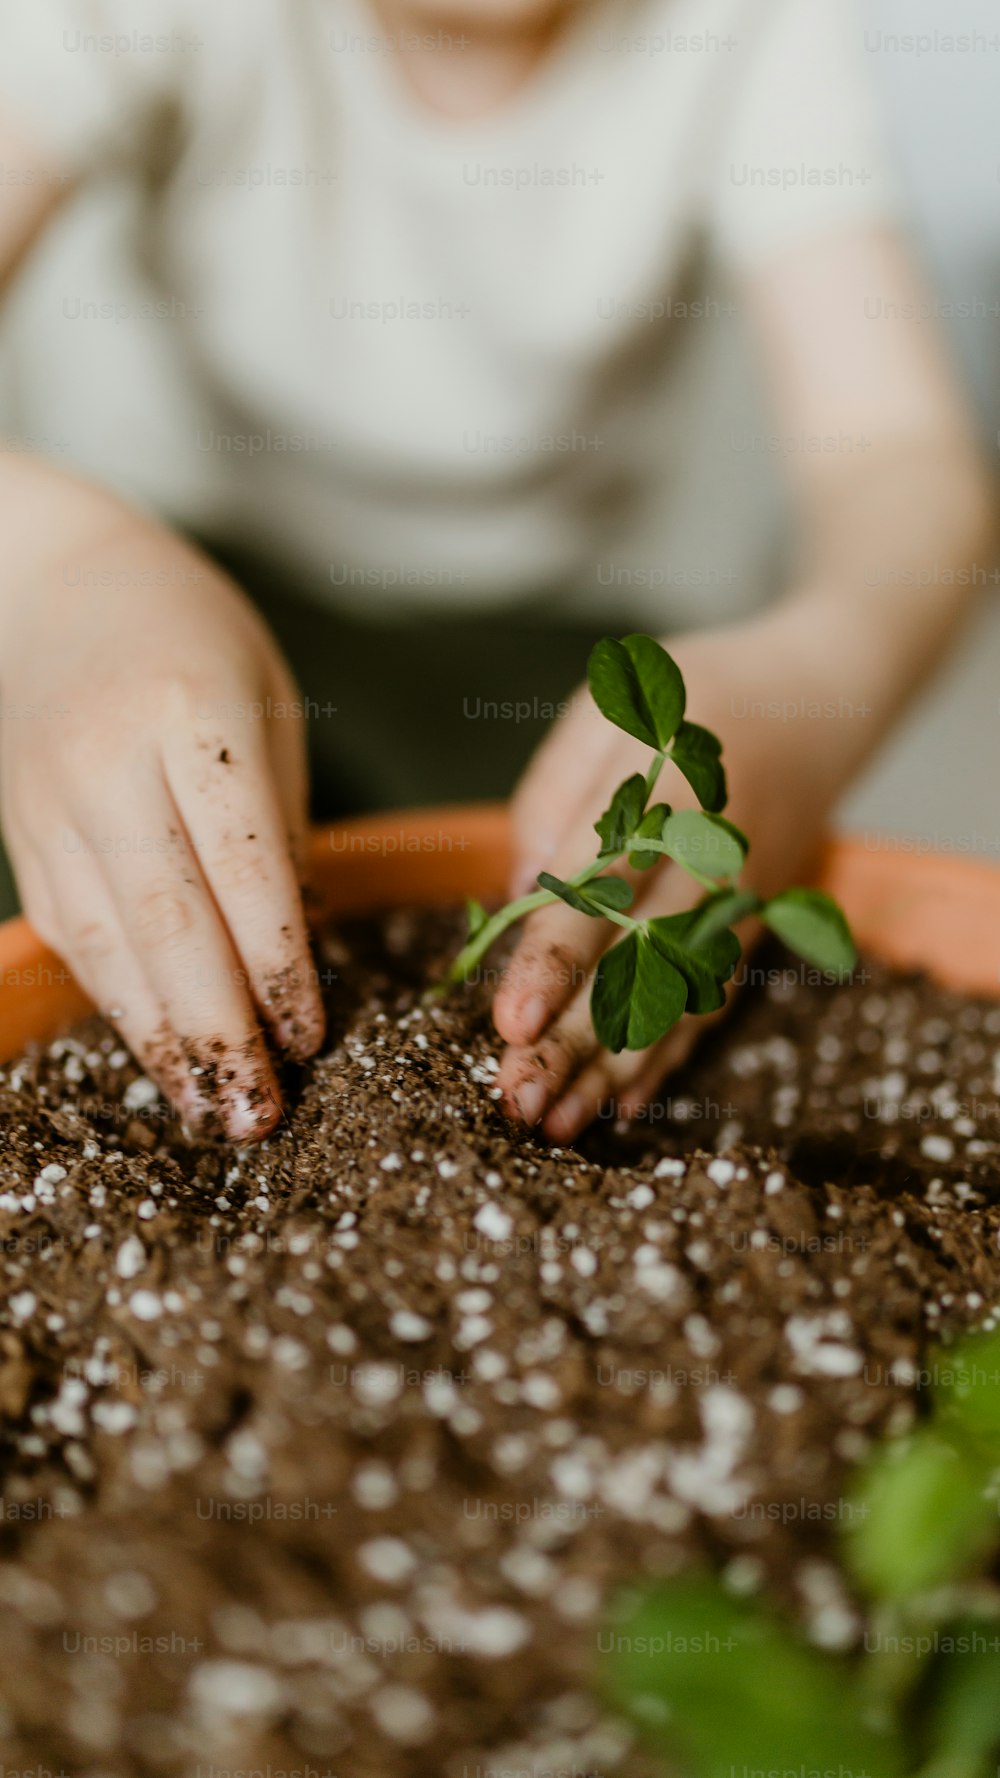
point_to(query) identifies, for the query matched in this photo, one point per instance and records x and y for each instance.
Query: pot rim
(912, 908)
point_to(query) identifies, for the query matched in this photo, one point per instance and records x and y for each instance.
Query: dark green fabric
(436, 708)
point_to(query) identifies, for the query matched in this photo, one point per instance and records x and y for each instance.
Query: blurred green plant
(676, 963)
(722, 1685)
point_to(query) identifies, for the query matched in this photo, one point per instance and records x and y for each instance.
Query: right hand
(153, 792)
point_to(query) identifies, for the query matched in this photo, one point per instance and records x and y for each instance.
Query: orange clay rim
(912, 908)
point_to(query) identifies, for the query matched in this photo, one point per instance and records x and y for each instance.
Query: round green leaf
(609, 892)
(698, 754)
(704, 843)
(920, 1516)
(966, 1387)
(622, 816)
(962, 1696)
(649, 828)
(811, 924)
(719, 911)
(724, 1687)
(638, 687)
(637, 995)
(704, 971)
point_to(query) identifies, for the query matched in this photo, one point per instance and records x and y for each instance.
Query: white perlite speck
(818, 1344)
(937, 1148)
(145, 1305)
(131, 1257)
(235, 1688)
(140, 1094)
(375, 1487)
(406, 1325)
(721, 1172)
(115, 1416)
(402, 1714)
(493, 1222)
(388, 1559)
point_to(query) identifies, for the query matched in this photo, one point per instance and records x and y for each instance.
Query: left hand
(554, 1073)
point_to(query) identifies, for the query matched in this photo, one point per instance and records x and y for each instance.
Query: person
(422, 242)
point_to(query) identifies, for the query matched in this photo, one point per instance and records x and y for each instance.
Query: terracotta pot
(930, 910)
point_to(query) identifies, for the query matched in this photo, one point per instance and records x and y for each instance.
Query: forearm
(893, 554)
(65, 537)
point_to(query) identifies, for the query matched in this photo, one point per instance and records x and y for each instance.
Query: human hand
(743, 687)
(154, 809)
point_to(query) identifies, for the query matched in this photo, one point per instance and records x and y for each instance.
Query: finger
(175, 931)
(285, 738)
(76, 916)
(559, 948)
(555, 792)
(533, 1076)
(531, 1073)
(618, 1085)
(225, 792)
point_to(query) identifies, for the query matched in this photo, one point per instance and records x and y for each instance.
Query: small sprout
(476, 916)
(723, 1686)
(665, 967)
(719, 1684)
(811, 923)
(926, 1520)
(638, 687)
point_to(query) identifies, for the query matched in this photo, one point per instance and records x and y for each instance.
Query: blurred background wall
(721, 510)
(938, 777)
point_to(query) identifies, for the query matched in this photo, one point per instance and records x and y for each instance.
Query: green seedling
(719, 1684)
(671, 964)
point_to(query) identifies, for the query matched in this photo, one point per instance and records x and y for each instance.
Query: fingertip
(520, 1018)
(301, 1034)
(569, 1117)
(251, 1114)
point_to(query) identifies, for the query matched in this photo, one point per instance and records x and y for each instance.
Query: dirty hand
(153, 801)
(554, 1072)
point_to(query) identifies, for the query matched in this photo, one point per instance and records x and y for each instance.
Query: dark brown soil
(328, 1456)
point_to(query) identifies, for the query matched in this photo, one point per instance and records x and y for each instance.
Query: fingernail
(530, 1100)
(568, 1118)
(300, 1038)
(251, 1115)
(532, 1016)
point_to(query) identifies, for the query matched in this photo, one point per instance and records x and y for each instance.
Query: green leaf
(704, 971)
(592, 898)
(704, 843)
(476, 916)
(962, 1711)
(724, 1687)
(622, 816)
(637, 995)
(638, 687)
(920, 1516)
(698, 754)
(967, 1389)
(716, 913)
(810, 923)
(649, 828)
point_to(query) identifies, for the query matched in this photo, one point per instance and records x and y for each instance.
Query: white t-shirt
(394, 342)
